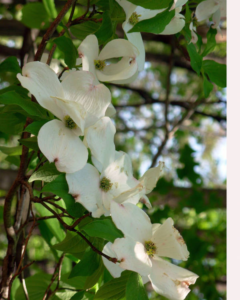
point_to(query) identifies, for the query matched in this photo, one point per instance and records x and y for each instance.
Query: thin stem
(51, 29)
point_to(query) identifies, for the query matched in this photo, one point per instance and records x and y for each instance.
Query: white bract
(122, 71)
(142, 248)
(194, 37)
(214, 8)
(76, 101)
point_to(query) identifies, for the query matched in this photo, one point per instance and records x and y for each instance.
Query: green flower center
(99, 64)
(105, 184)
(150, 248)
(134, 19)
(69, 123)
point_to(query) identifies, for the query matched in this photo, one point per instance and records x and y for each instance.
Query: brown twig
(68, 227)
(22, 257)
(57, 272)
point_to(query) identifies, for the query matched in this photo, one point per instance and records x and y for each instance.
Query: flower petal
(120, 175)
(136, 39)
(216, 18)
(88, 51)
(111, 111)
(150, 178)
(178, 3)
(132, 256)
(121, 70)
(60, 145)
(169, 242)
(113, 268)
(132, 221)
(144, 199)
(171, 281)
(128, 7)
(100, 140)
(74, 110)
(205, 9)
(147, 13)
(84, 187)
(118, 48)
(42, 83)
(79, 87)
(176, 25)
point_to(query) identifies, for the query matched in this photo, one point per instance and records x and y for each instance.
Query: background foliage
(192, 189)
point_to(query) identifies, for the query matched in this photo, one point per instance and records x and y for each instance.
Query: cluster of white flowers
(107, 187)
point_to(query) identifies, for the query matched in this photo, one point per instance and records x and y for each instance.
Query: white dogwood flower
(214, 8)
(135, 14)
(93, 190)
(122, 71)
(142, 248)
(76, 101)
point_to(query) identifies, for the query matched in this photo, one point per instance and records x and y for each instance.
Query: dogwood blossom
(76, 101)
(135, 14)
(121, 72)
(115, 181)
(214, 8)
(142, 248)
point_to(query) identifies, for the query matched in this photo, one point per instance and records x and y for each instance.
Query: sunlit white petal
(60, 145)
(169, 242)
(132, 256)
(150, 177)
(206, 8)
(100, 140)
(171, 281)
(114, 269)
(84, 186)
(132, 221)
(42, 83)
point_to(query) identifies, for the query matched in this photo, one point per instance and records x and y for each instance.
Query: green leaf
(46, 173)
(78, 296)
(50, 8)
(34, 15)
(30, 143)
(105, 32)
(11, 123)
(15, 285)
(34, 127)
(15, 88)
(52, 224)
(11, 150)
(36, 287)
(10, 64)
(152, 4)
(216, 72)
(87, 266)
(81, 31)
(211, 41)
(72, 243)
(207, 86)
(103, 229)
(188, 170)
(68, 49)
(154, 25)
(59, 187)
(15, 160)
(196, 59)
(30, 107)
(114, 289)
(135, 289)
